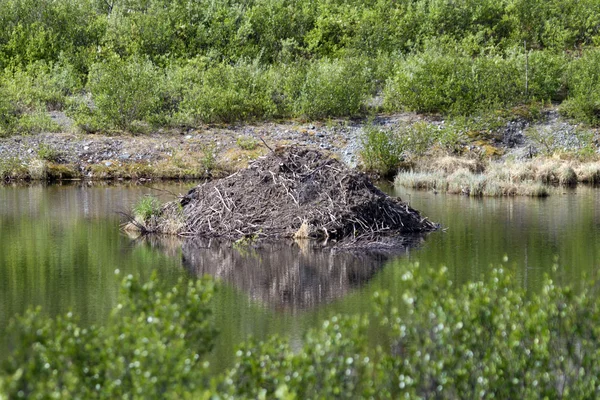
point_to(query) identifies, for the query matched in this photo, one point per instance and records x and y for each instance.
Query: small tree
(125, 91)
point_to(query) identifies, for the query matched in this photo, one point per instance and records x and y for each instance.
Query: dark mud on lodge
(288, 275)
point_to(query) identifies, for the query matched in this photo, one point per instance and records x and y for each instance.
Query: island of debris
(293, 192)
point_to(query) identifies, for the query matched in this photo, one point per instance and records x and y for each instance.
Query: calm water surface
(60, 247)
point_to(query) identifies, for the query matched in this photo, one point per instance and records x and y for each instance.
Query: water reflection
(289, 275)
(60, 246)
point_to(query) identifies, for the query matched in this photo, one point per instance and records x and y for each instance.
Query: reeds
(534, 178)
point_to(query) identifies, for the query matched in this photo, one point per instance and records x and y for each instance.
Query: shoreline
(553, 146)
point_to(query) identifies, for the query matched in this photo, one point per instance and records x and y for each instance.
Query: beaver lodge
(293, 192)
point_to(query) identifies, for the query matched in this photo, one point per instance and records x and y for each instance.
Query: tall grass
(532, 178)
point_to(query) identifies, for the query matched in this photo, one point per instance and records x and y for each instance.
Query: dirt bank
(213, 151)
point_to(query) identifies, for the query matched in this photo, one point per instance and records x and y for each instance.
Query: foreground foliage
(484, 339)
(151, 347)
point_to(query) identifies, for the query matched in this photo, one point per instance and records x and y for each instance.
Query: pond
(60, 246)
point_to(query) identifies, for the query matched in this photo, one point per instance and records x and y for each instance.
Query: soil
(95, 156)
(297, 192)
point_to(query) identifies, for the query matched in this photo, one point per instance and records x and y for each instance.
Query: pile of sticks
(301, 192)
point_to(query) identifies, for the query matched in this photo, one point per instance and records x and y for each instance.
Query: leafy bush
(309, 59)
(485, 339)
(489, 339)
(584, 88)
(224, 93)
(247, 142)
(547, 75)
(333, 362)
(36, 122)
(33, 31)
(8, 115)
(152, 347)
(443, 80)
(334, 88)
(40, 85)
(124, 91)
(27, 93)
(482, 339)
(381, 150)
(48, 153)
(12, 168)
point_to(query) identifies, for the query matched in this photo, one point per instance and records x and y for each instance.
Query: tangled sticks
(297, 192)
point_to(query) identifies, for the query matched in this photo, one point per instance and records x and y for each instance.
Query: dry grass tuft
(588, 173)
(449, 165)
(38, 169)
(532, 178)
(303, 232)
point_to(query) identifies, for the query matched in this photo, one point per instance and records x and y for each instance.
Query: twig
(265, 143)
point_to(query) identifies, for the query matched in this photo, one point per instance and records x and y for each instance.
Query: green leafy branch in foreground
(151, 347)
(484, 339)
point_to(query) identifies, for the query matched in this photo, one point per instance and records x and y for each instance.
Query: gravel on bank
(219, 150)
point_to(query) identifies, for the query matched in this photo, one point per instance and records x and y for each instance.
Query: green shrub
(333, 362)
(36, 122)
(247, 142)
(286, 82)
(34, 31)
(547, 75)
(224, 93)
(12, 168)
(334, 88)
(47, 153)
(125, 91)
(489, 339)
(8, 114)
(40, 85)
(381, 150)
(554, 24)
(208, 159)
(152, 347)
(146, 208)
(483, 339)
(583, 83)
(430, 82)
(436, 339)
(28, 93)
(310, 59)
(443, 80)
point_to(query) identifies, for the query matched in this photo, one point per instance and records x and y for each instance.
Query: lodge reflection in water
(288, 275)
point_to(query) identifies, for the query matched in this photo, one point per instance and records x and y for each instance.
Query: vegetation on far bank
(132, 65)
(483, 339)
(536, 177)
(39, 169)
